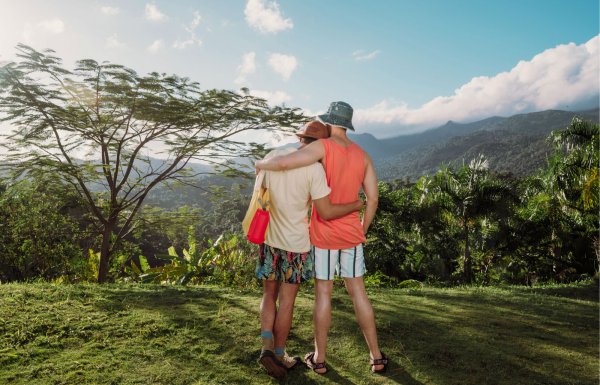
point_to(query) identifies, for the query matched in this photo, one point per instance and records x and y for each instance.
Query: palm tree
(573, 170)
(576, 167)
(468, 194)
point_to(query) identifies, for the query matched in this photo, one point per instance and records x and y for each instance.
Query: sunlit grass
(128, 334)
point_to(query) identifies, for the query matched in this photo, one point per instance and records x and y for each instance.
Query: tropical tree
(573, 183)
(469, 193)
(387, 237)
(576, 167)
(435, 234)
(98, 125)
(540, 227)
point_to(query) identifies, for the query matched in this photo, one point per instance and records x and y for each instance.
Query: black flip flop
(380, 361)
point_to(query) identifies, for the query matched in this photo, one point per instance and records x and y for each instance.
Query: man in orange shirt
(337, 243)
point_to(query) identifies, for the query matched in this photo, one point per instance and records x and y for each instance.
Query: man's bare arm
(303, 157)
(371, 192)
(328, 211)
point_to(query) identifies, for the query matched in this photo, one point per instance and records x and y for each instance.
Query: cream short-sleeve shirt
(291, 193)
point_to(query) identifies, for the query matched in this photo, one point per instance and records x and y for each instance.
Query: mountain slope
(516, 144)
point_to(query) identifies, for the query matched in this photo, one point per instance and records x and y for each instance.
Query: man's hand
(328, 211)
(358, 205)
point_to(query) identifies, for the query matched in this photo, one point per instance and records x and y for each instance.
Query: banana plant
(192, 263)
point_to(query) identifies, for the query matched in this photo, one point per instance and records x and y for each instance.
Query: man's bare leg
(364, 315)
(322, 319)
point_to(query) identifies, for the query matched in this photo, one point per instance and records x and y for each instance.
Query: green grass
(128, 334)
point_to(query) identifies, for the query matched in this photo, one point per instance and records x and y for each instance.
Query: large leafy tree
(98, 124)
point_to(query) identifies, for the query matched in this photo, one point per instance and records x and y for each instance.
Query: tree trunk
(467, 257)
(105, 252)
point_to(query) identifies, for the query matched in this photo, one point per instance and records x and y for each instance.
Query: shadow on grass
(587, 292)
(304, 376)
(199, 335)
(207, 330)
(468, 339)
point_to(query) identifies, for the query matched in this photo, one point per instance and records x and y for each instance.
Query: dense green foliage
(468, 223)
(148, 334)
(39, 235)
(464, 224)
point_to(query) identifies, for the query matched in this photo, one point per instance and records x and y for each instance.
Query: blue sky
(403, 65)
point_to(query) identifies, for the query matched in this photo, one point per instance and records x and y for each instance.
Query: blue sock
(279, 351)
(266, 334)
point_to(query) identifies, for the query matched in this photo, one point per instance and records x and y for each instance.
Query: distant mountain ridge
(516, 144)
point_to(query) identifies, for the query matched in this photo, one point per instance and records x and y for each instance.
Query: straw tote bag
(257, 217)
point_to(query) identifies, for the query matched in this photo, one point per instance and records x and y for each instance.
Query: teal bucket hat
(338, 114)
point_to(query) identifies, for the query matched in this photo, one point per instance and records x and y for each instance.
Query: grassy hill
(128, 334)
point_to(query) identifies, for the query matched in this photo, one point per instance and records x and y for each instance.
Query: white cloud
(156, 46)
(113, 41)
(266, 16)
(153, 13)
(50, 26)
(54, 26)
(247, 67)
(195, 22)
(183, 44)
(191, 30)
(360, 55)
(111, 11)
(284, 65)
(274, 98)
(28, 33)
(563, 76)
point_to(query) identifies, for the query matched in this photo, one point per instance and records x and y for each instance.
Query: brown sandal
(274, 368)
(309, 361)
(379, 361)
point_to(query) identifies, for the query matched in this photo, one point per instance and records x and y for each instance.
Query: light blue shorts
(347, 263)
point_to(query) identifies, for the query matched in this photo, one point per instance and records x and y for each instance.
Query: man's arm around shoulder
(303, 157)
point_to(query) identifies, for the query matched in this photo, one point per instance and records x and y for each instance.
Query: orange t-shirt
(345, 173)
